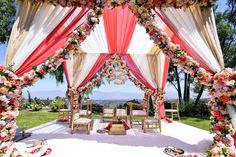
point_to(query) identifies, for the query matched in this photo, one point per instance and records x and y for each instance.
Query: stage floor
(135, 143)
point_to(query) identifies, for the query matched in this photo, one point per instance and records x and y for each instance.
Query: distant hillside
(45, 94)
(98, 95)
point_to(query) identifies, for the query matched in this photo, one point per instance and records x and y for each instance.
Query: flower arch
(221, 85)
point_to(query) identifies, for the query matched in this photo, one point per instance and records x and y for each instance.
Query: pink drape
(165, 74)
(96, 67)
(119, 26)
(182, 42)
(66, 70)
(55, 40)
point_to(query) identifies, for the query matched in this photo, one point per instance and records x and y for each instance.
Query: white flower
(3, 98)
(230, 83)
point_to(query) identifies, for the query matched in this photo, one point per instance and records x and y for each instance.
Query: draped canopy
(41, 29)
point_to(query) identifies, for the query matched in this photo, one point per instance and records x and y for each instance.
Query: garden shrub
(24, 106)
(199, 110)
(97, 108)
(56, 104)
(36, 107)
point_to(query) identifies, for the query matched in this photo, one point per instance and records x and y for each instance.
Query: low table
(84, 123)
(117, 128)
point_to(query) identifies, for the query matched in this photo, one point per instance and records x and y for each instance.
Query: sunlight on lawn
(32, 119)
(202, 123)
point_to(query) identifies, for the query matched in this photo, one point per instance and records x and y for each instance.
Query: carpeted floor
(135, 143)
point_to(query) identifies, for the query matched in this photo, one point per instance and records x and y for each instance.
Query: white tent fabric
(142, 62)
(96, 42)
(140, 42)
(140, 45)
(44, 20)
(79, 66)
(183, 21)
(205, 21)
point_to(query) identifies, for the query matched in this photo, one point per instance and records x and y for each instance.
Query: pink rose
(62, 3)
(41, 71)
(2, 68)
(224, 99)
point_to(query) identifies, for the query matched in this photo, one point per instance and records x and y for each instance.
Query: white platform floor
(135, 143)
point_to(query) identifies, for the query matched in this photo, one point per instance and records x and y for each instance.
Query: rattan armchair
(87, 111)
(174, 110)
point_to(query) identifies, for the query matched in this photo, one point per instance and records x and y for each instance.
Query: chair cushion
(121, 112)
(82, 121)
(84, 112)
(108, 115)
(108, 111)
(171, 110)
(139, 113)
(151, 121)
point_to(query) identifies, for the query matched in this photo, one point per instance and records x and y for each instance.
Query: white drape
(89, 61)
(155, 58)
(78, 67)
(96, 42)
(45, 20)
(142, 63)
(140, 42)
(182, 19)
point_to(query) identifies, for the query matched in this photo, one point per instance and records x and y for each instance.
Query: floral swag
(221, 86)
(109, 72)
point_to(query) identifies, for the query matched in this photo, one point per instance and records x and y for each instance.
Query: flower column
(10, 92)
(222, 93)
(73, 98)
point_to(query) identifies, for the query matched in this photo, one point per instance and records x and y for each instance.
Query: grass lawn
(30, 119)
(202, 123)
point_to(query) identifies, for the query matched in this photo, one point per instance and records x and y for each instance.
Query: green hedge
(192, 110)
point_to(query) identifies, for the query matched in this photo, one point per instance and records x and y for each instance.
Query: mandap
(90, 38)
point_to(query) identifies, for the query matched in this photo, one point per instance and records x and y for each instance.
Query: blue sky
(49, 84)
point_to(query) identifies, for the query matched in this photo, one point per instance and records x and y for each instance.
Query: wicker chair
(122, 113)
(143, 114)
(64, 113)
(154, 123)
(108, 113)
(86, 113)
(174, 110)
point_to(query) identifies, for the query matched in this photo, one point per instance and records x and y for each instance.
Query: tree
(7, 18)
(58, 74)
(174, 79)
(226, 29)
(29, 97)
(198, 88)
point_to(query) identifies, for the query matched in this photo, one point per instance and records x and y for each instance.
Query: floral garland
(159, 95)
(115, 70)
(148, 3)
(105, 73)
(10, 92)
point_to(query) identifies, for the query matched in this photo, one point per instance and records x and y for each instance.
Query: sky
(49, 84)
